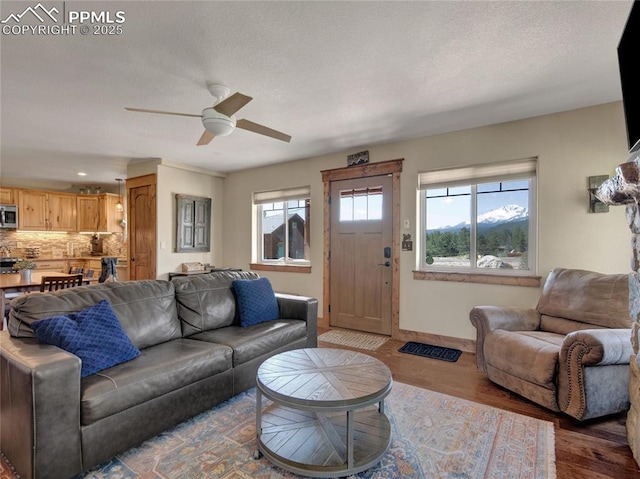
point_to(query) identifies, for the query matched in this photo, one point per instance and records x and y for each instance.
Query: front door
(361, 254)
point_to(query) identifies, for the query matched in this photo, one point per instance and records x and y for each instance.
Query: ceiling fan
(219, 119)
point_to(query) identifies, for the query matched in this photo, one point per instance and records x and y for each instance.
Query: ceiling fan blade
(232, 104)
(162, 112)
(206, 138)
(262, 130)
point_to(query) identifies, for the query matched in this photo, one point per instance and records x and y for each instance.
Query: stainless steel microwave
(8, 216)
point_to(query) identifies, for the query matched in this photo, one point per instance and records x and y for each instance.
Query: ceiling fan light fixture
(217, 123)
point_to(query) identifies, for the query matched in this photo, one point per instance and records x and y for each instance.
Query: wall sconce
(119, 205)
(595, 205)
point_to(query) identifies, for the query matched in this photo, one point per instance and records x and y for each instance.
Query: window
(479, 219)
(362, 204)
(283, 226)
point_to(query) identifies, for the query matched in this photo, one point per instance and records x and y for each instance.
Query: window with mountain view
(486, 224)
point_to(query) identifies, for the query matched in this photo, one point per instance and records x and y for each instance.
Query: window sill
(508, 280)
(283, 268)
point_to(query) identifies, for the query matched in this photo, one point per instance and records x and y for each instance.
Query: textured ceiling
(336, 76)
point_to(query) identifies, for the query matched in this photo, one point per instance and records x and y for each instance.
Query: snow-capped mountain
(504, 214)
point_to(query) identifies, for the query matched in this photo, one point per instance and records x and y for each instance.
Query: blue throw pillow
(257, 302)
(93, 334)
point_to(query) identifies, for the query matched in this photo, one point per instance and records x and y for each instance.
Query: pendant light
(119, 205)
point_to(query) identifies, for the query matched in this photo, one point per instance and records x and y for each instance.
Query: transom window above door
(363, 204)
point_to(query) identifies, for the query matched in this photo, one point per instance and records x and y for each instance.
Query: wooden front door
(361, 254)
(142, 227)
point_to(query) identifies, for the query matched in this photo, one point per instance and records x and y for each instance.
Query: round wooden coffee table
(326, 417)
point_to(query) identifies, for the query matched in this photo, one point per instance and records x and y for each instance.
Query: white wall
(172, 181)
(570, 147)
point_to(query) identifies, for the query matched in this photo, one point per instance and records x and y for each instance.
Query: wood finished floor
(594, 449)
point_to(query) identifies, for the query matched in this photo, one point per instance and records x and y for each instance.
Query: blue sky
(453, 210)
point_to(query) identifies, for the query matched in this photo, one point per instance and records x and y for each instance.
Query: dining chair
(54, 283)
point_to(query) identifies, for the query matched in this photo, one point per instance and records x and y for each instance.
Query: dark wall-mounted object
(359, 158)
(193, 228)
(595, 205)
(628, 61)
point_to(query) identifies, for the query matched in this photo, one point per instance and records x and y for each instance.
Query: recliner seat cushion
(529, 355)
(253, 341)
(158, 370)
(563, 326)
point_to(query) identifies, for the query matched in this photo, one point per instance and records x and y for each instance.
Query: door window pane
(364, 204)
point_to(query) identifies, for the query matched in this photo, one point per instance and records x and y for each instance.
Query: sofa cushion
(146, 308)
(528, 355)
(206, 301)
(563, 326)
(588, 297)
(158, 370)
(93, 334)
(256, 301)
(251, 342)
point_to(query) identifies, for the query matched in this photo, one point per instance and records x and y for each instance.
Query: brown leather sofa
(571, 353)
(194, 355)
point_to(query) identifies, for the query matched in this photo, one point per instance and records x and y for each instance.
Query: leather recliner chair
(571, 353)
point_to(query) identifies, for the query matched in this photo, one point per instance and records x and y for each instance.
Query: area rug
(431, 351)
(353, 339)
(433, 436)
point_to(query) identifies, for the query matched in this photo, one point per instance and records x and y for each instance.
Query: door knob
(386, 263)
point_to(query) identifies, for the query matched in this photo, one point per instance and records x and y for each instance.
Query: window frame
(473, 182)
(280, 196)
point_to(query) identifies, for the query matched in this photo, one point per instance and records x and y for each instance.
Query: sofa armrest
(301, 307)
(487, 318)
(40, 404)
(584, 349)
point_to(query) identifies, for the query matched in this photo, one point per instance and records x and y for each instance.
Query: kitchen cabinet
(98, 213)
(57, 265)
(45, 211)
(8, 196)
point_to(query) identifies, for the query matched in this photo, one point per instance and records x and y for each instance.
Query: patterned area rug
(353, 339)
(433, 436)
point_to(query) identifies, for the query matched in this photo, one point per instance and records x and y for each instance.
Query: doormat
(353, 339)
(431, 351)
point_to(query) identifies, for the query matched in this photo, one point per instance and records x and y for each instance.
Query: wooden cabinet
(45, 211)
(88, 213)
(61, 211)
(32, 210)
(8, 196)
(53, 265)
(98, 213)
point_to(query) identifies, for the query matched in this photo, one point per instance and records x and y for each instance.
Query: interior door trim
(390, 167)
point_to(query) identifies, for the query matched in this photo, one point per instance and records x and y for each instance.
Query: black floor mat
(431, 351)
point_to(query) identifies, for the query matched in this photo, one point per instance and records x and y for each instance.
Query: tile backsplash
(60, 244)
